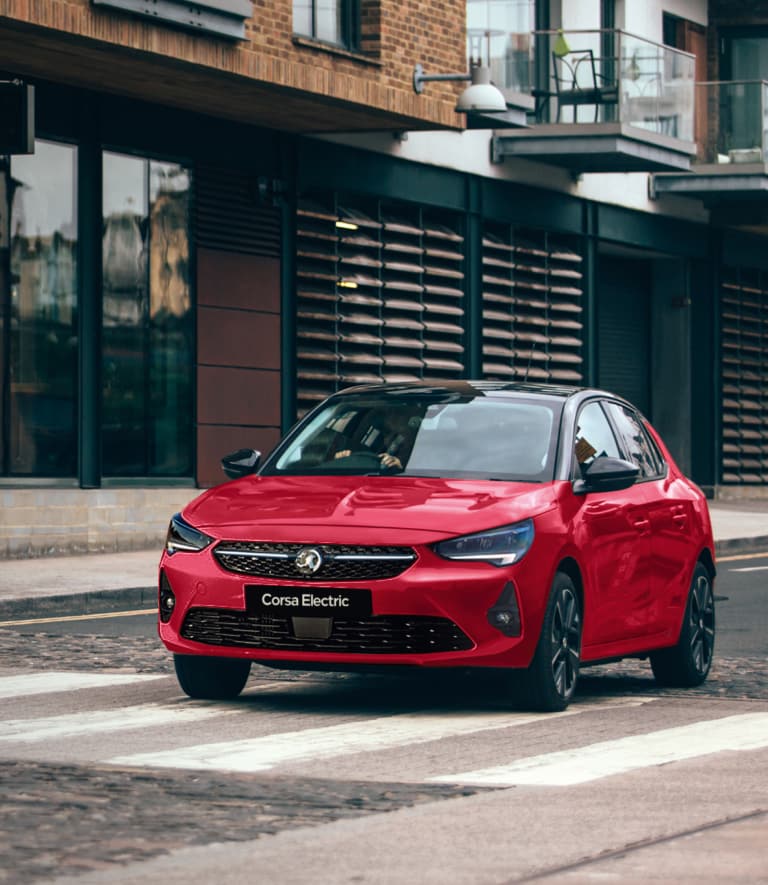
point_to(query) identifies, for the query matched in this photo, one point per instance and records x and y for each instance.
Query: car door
(669, 506)
(613, 531)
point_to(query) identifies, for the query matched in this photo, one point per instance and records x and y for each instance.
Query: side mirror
(243, 462)
(607, 475)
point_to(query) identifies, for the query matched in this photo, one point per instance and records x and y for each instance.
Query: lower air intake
(392, 634)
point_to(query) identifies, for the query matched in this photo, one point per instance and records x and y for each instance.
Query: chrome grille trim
(340, 562)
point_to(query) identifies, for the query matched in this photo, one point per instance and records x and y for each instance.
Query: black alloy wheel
(210, 678)
(688, 663)
(550, 681)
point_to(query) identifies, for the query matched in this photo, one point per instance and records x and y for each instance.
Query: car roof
(479, 387)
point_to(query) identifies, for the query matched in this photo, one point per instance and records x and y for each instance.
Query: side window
(594, 437)
(638, 445)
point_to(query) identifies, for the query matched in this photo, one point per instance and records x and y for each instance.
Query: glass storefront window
(147, 338)
(38, 314)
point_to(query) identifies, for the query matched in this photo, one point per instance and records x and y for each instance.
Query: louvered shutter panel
(532, 310)
(380, 295)
(229, 215)
(744, 331)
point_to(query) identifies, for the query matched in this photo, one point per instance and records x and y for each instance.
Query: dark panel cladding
(249, 397)
(243, 282)
(234, 338)
(232, 214)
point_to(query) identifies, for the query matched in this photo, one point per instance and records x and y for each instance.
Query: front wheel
(550, 681)
(209, 678)
(687, 664)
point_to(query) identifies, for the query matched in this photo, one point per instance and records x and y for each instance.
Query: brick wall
(395, 36)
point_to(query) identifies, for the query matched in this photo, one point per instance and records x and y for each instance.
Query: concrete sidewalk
(104, 582)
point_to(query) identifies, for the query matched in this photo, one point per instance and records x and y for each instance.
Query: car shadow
(384, 694)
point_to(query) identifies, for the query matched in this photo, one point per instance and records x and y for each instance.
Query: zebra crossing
(278, 749)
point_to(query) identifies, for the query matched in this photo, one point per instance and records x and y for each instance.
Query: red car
(471, 524)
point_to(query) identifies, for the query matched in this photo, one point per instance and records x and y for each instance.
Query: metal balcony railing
(593, 76)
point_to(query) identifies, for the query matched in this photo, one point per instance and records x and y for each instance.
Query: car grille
(388, 634)
(340, 562)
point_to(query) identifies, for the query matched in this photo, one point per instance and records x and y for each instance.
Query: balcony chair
(578, 83)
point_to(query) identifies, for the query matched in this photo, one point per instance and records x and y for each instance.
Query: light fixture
(346, 225)
(482, 97)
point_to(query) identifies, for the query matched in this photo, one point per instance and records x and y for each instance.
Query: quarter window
(639, 447)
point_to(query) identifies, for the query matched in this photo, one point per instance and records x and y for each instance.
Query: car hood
(345, 509)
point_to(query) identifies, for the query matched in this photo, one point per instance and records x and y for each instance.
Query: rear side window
(639, 447)
(594, 436)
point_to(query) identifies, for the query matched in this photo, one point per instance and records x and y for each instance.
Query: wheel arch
(708, 561)
(570, 567)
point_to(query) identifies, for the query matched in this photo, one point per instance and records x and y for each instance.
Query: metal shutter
(230, 215)
(744, 367)
(380, 294)
(532, 323)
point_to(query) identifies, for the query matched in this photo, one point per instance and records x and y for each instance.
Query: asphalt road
(109, 774)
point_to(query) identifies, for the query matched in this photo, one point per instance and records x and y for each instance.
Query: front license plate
(305, 602)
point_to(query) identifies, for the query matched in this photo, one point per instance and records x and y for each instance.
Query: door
(615, 528)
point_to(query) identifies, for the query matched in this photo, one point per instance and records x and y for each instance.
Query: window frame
(350, 17)
(576, 472)
(661, 465)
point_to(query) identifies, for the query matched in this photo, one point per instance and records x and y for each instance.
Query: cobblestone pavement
(67, 819)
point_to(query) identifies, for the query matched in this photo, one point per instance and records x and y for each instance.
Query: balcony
(731, 164)
(604, 101)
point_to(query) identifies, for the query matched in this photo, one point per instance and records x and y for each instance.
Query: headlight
(183, 537)
(499, 547)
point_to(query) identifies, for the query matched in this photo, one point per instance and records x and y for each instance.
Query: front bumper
(434, 614)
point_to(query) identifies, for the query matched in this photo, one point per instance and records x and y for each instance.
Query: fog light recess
(505, 615)
(166, 600)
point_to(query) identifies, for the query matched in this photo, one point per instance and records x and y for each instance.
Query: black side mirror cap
(243, 462)
(607, 475)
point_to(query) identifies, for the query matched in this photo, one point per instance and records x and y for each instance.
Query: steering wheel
(364, 459)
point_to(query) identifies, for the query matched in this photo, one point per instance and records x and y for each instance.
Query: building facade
(231, 211)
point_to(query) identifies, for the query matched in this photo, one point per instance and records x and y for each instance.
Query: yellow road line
(742, 556)
(93, 617)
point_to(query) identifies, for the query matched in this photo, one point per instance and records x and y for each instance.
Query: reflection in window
(332, 21)
(639, 448)
(500, 34)
(147, 319)
(38, 314)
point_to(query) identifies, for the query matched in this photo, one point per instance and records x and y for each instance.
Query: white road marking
(53, 681)
(143, 716)
(754, 568)
(744, 732)
(384, 733)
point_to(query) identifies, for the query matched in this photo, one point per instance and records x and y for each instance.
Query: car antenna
(530, 358)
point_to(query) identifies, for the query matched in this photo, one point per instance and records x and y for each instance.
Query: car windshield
(469, 437)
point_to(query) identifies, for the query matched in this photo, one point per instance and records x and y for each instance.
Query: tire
(209, 678)
(549, 683)
(687, 664)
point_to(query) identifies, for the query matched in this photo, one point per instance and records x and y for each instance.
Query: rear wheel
(688, 663)
(550, 681)
(211, 678)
